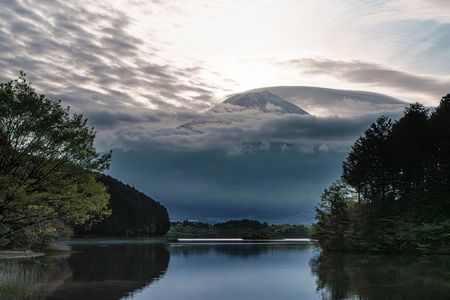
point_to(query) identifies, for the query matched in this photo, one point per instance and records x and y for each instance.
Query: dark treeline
(247, 229)
(132, 213)
(395, 191)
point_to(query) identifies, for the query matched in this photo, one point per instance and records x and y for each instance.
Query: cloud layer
(375, 75)
(85, 54)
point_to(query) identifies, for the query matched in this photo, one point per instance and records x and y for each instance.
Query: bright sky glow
(241, 46)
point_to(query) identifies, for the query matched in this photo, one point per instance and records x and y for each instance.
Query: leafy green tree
(48, 164)
(333, 217)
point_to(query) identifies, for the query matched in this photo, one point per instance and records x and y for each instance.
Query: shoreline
(17, 254)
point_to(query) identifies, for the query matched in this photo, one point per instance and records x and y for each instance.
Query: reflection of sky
(271, 273)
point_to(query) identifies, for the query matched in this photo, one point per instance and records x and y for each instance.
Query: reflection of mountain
(241, 250)
(382, 277)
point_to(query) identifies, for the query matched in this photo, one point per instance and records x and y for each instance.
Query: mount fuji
(264, 101)
(255, 105)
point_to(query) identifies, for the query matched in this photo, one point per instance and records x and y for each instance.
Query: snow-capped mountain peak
(264, 101)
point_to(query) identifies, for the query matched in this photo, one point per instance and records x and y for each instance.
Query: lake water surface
(125, 270)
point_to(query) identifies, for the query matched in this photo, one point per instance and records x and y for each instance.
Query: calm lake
(219, 271)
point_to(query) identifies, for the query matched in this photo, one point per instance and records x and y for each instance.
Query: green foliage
(247, 229)
(48, 166)
(400, 175)
(133, 213)
(333, 216)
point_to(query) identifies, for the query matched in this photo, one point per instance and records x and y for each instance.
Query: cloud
(237, 131)
(373, 74)
(230, 163)
(84, 53)
(416, 9)
(326, 102)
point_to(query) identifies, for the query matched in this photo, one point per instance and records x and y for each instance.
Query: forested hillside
(247, 229)
(133, 213)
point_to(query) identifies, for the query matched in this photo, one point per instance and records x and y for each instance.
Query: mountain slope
(264, 101)
(133, 213)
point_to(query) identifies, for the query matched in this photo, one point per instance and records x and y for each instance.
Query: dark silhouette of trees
(133, 213)
(400, 173)
(368, 163)
(439, 181)
(410, 143)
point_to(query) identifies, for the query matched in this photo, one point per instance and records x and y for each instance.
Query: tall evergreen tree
(440, 173)
(367, 166)
(410, 141)
(402, 173)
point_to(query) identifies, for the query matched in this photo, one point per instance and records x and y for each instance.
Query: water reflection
(222, 271)
(24, 278)
(236, 271)
(235, 250)
(343, 276)
(90, 272)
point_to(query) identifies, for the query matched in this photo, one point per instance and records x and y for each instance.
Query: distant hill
(246, 229)
(133, 213)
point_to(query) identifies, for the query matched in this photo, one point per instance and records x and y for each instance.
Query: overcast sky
(138, 69)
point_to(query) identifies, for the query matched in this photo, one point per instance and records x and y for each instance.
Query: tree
(401, 173)
(440, 125)
(48, 164)
(133, 213)
(410, 141)
(439, 181)
(333, 216)
(367, 166)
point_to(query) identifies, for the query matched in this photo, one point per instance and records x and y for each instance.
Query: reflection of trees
(90, 272)
(114, 271)
(341, 276)
(240, 250)
(22, 278)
